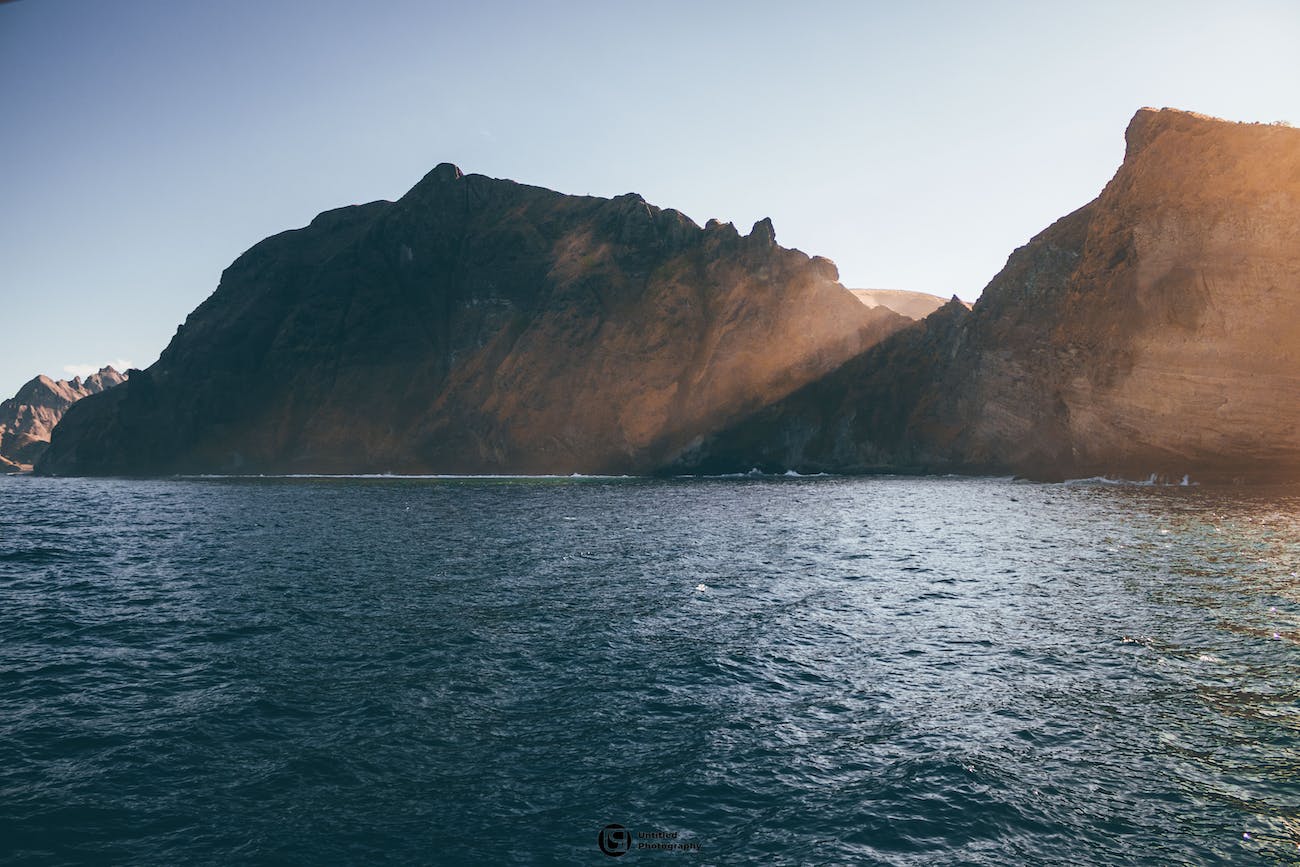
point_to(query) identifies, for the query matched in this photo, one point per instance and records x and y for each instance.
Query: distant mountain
(913, 305)
(477, 325)
(27, 418)
(1156, 330)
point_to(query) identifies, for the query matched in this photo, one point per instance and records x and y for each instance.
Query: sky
(145, 144)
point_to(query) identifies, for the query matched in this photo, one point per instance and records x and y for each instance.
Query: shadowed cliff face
(1155, 330)
(887, 410)
(27, 418)
(476, 325)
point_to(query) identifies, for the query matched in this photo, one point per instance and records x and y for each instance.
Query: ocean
(769, 671)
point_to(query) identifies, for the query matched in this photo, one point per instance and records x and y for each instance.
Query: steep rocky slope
(1156, 330)
(27, 418)
(477, 325)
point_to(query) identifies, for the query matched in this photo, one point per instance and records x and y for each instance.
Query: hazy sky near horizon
(147, 143)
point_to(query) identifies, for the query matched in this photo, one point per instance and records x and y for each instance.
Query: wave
(756, 473)
(1152, 481)
(400, 476)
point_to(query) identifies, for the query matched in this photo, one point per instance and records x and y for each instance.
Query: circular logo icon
(614, 840)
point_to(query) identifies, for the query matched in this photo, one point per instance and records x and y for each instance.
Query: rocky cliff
(1156, 330)
(27, 418)
(477, 325)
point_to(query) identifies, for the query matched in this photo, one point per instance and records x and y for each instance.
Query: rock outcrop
(477, 325)
(27, 418)
(913, 305)
(1155, 331)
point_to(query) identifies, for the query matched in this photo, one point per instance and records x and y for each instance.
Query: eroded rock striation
(1155, 331)
(27, 418)
(477, 325)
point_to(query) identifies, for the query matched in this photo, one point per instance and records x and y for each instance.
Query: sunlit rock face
(1171, 344)
(1156, 330)
(477, 325)
(27, 418)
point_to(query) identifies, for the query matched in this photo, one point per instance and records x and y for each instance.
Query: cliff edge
(1154, 331)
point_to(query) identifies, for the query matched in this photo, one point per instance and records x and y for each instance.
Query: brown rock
(1170, 345)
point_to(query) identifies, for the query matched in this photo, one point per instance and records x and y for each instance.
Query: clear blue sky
(147, 143)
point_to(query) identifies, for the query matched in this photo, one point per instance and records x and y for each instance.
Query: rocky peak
(441, 180)
(763, 233)
(1143, 129)
(105, 377)
(825, 268)
(1148, 123)
(444, 173)
(1190, 132)
(28, 418)
(717, 228)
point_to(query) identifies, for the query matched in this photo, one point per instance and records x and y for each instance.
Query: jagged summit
(27, 418)
(763, 232)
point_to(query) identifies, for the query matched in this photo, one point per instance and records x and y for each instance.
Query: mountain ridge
(28, 418)
(477, 325)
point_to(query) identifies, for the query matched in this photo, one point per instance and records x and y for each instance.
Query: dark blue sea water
(778, 671)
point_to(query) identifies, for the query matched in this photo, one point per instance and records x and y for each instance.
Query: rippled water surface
(803, 671)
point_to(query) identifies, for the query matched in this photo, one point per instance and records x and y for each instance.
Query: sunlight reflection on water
(888, 670)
